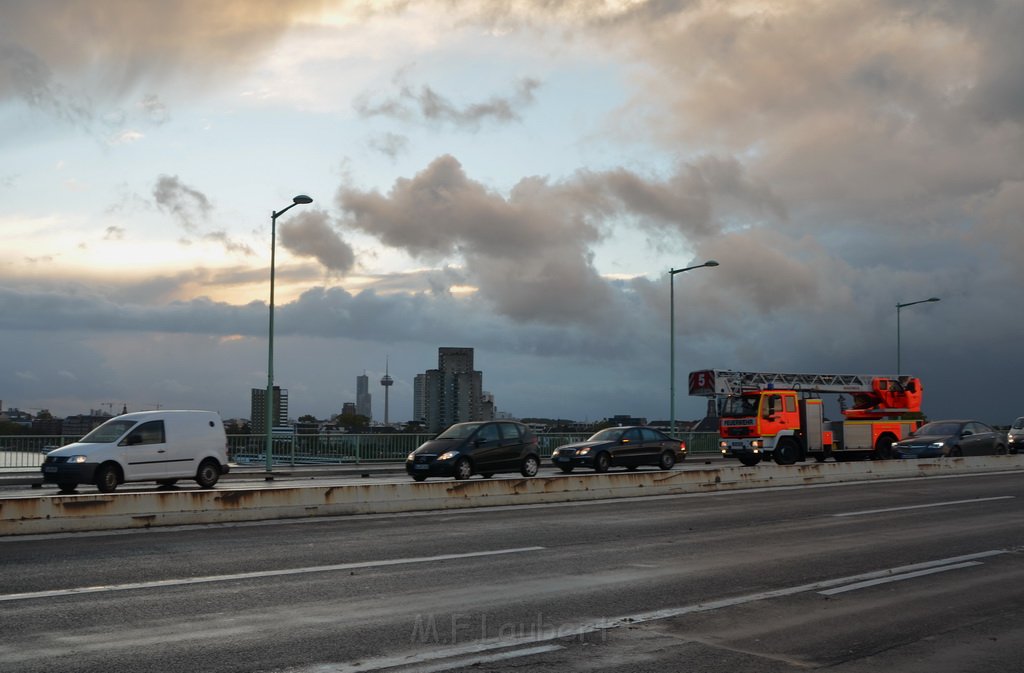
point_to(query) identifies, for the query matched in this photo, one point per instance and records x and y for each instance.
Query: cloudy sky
(515, 176)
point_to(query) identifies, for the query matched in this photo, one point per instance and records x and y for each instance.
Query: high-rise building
(258, 409)
(363, 399)
(452, 393)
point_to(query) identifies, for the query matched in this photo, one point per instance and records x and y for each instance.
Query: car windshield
(1019, 423)
(938, 429)
(459, 431)
(106, 433)
(607, 435)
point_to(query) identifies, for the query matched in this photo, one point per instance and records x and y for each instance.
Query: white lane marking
(934, 504)
(803, 588)
(259, 574)
(400, 662)
(897, 578)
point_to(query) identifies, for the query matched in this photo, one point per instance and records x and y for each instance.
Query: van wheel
(208, 473)
(67, 486)
(108, 477)
(668, 460)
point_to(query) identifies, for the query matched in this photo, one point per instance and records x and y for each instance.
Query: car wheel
(67, 486)
(463, 469)
(668, 460)
(749, 461)
(487, 475)
(419, 477)
(632, 468)
(565, 468)
(107, 478)
(602, 462)
(956, 452)
(1000, 450)
(530, 466)
(785, 452)
(208, 473)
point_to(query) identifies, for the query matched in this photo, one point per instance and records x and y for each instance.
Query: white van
(161, 446)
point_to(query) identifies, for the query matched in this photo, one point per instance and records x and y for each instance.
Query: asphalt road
(921, 575)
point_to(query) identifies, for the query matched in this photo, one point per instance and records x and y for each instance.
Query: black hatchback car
(483, 447)
(628, 447)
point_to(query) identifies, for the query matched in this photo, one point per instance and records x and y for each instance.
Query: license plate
(50, 469)
(736, 445)
(421, 467)
(564, 459)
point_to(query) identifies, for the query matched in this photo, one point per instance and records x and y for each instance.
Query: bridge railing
(28, 451)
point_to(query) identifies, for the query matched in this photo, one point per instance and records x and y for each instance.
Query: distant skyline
(514, 177)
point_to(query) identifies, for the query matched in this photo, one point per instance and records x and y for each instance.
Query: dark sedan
(939, 439)
(627, 447)
(485, 447)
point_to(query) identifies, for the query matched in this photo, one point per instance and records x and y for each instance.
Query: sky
(514, 176)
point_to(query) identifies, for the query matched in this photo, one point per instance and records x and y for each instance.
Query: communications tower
(387, 382)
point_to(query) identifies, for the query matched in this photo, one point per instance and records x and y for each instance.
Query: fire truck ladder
(727, 382)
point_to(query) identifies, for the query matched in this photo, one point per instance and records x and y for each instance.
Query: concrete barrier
(98, 511)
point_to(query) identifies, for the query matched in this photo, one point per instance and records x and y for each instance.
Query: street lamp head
(302, 198)
(933, 299)
(711, 262)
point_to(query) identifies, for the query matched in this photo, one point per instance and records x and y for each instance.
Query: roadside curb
(97, 511)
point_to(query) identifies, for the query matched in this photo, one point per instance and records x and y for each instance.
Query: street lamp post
(898, 307)
(672, 339)
(298, 200)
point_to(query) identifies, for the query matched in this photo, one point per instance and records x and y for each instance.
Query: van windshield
(1019, 423)
(108, 432)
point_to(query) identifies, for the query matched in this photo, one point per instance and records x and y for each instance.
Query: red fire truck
(780, 416)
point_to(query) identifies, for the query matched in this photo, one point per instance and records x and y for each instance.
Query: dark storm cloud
(528, 253)
(428, 105)
(24, 75)
(112, 46)
(531, 253)
(309, 234)
(188, 205)
(390, 144)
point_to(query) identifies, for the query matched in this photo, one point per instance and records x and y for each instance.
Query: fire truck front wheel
(786, 452)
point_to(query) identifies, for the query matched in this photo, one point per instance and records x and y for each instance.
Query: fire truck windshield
(740, 407)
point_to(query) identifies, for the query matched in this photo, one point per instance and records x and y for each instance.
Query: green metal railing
(28, 451)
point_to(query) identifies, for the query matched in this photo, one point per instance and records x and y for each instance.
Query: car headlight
(583, 452)
(448, 455)
(411, 457)
(77, 459)
(1011, 439)
(938, 445)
